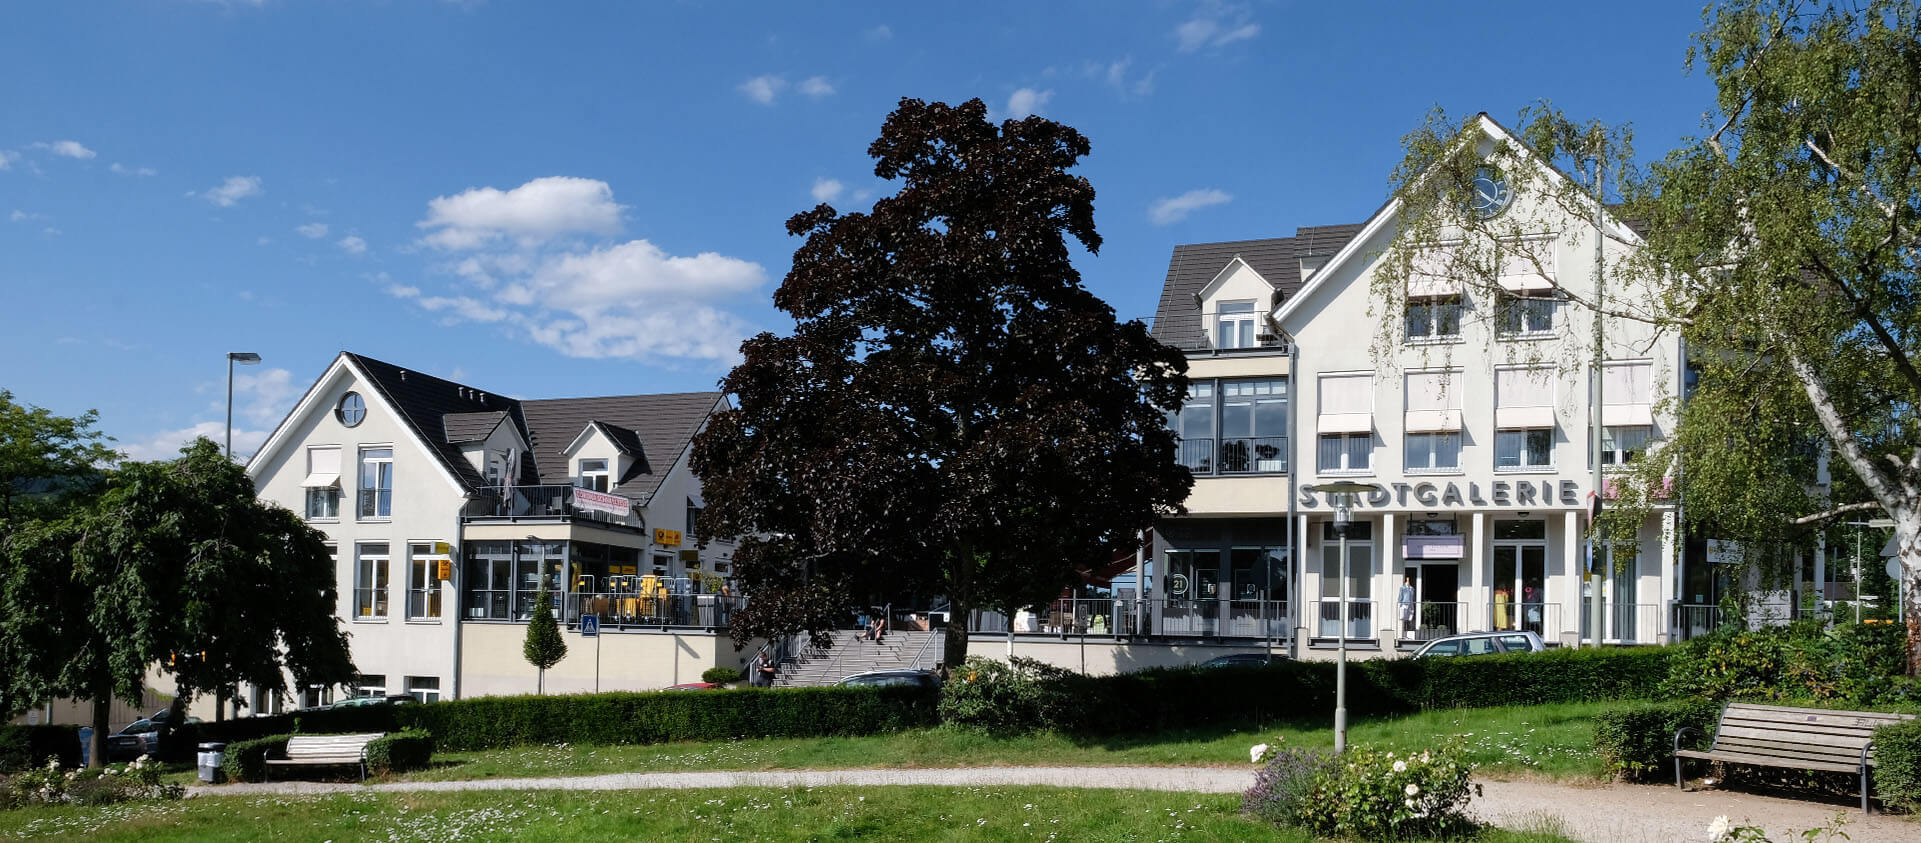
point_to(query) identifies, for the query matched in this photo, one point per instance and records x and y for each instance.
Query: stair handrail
(924, 644)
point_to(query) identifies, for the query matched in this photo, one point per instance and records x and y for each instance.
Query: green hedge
(1636, 742)
(1561, 675)
(400, 752)
(1897, 759)
(721, 675)
(25, 747)
(246, 761)
(661, 716)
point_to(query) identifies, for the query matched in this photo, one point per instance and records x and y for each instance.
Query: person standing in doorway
(1407, 607)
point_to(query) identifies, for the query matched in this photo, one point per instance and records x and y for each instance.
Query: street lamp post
(1341, 495)
(1857, 525)
(244, 358)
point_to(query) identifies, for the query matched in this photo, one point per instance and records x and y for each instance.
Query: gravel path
(1595, 814)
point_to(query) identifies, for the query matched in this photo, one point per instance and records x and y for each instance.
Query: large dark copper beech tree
(954, 414)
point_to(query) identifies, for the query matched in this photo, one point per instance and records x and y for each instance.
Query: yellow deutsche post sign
(667, 538)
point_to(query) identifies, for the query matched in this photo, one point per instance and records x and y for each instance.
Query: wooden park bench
(326, 751)
(1796, 738)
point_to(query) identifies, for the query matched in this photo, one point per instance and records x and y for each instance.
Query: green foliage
(246, 761)
(1636, 742)
(1559, 675)
(545, 647)
(398, 752)
(955, 412)
(1284, 785)
(46, 459)
(1859, 664)
(1897, 758)
(1010, 698)
(22, 747)
(1367, 794)
(721, 675)
(136, 781)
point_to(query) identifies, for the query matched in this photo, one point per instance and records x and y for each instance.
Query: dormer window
(1234, 325)
(594, 475)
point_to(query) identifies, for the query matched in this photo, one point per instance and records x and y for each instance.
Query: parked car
(694, 686)
(141, 737)
(1243, 660)
(388, 699)
(1482, 644)
(893, 678)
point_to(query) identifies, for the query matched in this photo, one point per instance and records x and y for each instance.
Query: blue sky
(547, 199)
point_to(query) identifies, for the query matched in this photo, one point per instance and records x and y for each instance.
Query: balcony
(548, 504)
(1235, 455)
(1171, 617)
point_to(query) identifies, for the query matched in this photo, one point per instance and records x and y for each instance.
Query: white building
(1464, 414)
(448, 505)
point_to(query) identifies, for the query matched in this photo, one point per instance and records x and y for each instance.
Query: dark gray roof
(655, 428)
(424, 402)
(1177, 321)
(471, 427)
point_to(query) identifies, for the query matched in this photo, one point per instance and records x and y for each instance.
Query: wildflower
(1718, 830)
(1254, 754)
(1400, 766)
(1413, 789)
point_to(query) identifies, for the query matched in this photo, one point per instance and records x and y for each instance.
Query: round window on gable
(352, 409)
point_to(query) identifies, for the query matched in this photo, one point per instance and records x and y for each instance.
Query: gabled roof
(655, 429)
(1193, 266)
(424, 402)
(471, 427)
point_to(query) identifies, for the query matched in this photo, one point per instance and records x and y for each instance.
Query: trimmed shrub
(1284, 785)
(1560, 675)
(28, 747)
(1636, 742)
(1860, 664)
(400, 752)
(658, 717)
(246, 761)
(1366, 794)
(1897, 758)
(721, 675)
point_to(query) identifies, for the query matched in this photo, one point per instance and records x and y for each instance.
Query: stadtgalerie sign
(1441, 495)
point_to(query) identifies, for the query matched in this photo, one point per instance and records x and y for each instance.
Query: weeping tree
(1781, 245)
(954, 414)
(544, 646)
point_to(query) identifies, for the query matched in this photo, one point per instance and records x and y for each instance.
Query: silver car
(1483, 644)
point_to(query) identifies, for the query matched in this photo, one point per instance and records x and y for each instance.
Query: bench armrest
(1682, 731)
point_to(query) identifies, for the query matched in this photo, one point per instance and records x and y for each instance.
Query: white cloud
(312, 230)
(1169, 210)
(66, 149)
(125, 170)
(531, 213)
(403, 291)
(234, 189)
(880, 33)
(825, 190)
(763, 89)
(463, 307)
(7, 158)
(816, 87)
(260, 399)
(166, 444)
(22, 216)
(352, 244)
(1217, 25)
(1025, 102)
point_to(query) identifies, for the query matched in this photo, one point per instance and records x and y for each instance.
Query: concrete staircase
(853, 654)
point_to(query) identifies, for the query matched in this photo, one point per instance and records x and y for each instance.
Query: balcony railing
(1251, 454)
(1543, 619)
(1433, 620)
(1360, 618)
(1627, 623)
(619, 610)
(1695, 620)
(1197, 455)
(1169, 616)
(554, 501)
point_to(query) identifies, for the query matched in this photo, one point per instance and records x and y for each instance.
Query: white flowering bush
(1369, 794)
(135, 781)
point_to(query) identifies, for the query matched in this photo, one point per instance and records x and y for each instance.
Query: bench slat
(1863, 731)
(1838, 753)
(1787, 736)
(1885, 716)
(1767, 761)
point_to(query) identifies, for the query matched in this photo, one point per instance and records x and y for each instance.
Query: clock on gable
(1491, 193)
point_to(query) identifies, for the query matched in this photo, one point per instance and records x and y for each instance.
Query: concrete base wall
(491, 663)
(1099, 657)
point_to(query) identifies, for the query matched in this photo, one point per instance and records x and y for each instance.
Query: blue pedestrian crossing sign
(589, 626)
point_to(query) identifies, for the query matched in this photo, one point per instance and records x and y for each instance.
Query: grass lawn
(1555, 741)
(825, 813)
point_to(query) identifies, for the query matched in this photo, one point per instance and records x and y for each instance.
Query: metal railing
(1432, 620)
(1692, 620)
(620, 609)
(1360, 618)
(1627, 623)
(533, 502)
(1540, 618)
(1197, 455)
(1253, 454)
(1121, 616)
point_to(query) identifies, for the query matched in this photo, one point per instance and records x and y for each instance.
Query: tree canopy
(954, 413)
(44, 457)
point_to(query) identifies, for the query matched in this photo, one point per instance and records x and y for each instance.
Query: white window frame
(370, 599)
(1522, 466)
(1232, 327)
(1346, 454)
(369, 456)
(1615, 457)
(595, 474)
(317, 497)
(1432, 320)
(423, 579)
(1504, 304)
(1433, 453)
(364, 685)
(418, 688)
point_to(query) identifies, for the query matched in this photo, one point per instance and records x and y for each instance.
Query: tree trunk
(954, 647)
(220, 704)
(1907, 537)
(97, 745)
(540, 681)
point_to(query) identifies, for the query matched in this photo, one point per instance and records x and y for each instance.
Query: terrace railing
(1167, 616)
(626, 609)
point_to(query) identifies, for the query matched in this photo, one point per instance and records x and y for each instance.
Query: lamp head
(1341, 495)
(244, 358)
